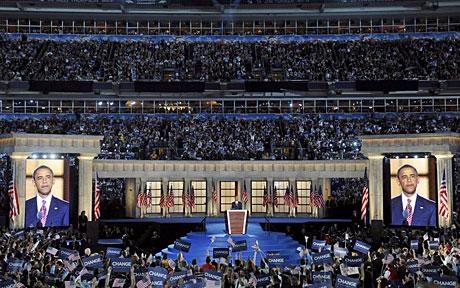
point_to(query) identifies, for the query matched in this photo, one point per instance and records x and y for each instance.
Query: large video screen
(46, 197)
(412, 192)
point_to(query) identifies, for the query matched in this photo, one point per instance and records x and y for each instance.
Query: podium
(236, 221)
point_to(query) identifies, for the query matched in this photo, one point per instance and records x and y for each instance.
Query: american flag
(140, 199)
(162, 198)
(266, 200)
(294, 198)
(147, 195)
(144, 283)
(318, 198)
(365, 200)
(97, 199)
(275, 197)
(118, 282)
(214, 193)
(287, 198)
(170, 200)
(244, 196)
(191, 195)
(14, 198)
(444, 210)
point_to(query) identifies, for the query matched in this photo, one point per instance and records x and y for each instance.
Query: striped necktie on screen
(409, 212)
(43, 211)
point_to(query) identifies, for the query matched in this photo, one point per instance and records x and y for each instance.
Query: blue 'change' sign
(263, 280)
(93, 262)
(240, 246)
(182, 245)
(318, 244)
(120, 264)
(112, 252)
(445, 281)
(354, 261)
(176, 276)
(361, 247)
(220, 252)
(412, 266)
(414, 244)
(346, 282)
(321, 276)
(212, 275)
(326, 284)
(322, 258)
(276, 261)
(158, 275)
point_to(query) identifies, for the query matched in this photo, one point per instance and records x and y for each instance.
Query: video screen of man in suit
(410, 208)
(45, 209)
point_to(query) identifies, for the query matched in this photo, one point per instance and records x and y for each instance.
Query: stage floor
(200, 219)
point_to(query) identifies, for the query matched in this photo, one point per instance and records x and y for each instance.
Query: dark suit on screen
(424, 213)
(237, 205)
(58, 214)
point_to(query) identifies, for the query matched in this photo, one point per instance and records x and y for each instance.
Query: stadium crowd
(54, 258)
(308, 137)
(230, 60)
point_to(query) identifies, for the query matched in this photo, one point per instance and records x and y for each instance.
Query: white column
(18, 162)
(292, 183)
(376, 186)
(326, 186)
(249, 190)
(130, 197)
(270, 195)
(85, 184)
(444, 161)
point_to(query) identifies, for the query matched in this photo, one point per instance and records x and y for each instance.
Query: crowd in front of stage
(333, 257)
(200, 137)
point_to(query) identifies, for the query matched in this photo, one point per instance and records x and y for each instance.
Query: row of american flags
(188, 198)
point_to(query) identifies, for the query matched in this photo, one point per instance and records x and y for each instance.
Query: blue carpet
(268, 241)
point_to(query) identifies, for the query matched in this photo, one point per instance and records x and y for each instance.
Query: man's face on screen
(44, 181)
(408, 179)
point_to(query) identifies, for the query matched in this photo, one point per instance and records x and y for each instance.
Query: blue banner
(322, 258)
(263, 280)
(445, 281)
(340, 252)
(182, 245)
(318, 244)
(433, 245)
(112, 252)
(276, 261)
(212, 275)
(354, 261)
(240, 246)
(273, 253)
(361, 247)
(158, 275)
(346, 282)
(120, 264)
(414, 244)
(326, 284)
(176, 276)
(93, 262)
(430, 270)
(220, 252)
(15, 266)
(65, 253)
(321, 276)
(412, 266)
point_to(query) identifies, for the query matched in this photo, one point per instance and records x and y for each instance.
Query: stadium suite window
(281, 191)
(227, 195)
(257, 196)
(199, 187)
(304, 193)
(178, 190)
(153, 189)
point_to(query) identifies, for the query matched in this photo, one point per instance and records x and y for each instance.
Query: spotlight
(34, 156)
(45, 156)
(52, 156)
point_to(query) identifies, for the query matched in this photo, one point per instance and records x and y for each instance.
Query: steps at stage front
(268, 241)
